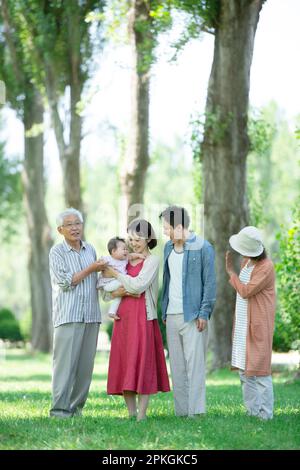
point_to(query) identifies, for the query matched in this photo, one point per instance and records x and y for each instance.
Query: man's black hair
(175, 215)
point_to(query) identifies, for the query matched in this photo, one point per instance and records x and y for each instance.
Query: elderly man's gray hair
(71, 211)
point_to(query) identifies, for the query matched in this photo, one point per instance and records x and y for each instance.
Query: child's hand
(114, 316)
(133, 256)
(98, 265)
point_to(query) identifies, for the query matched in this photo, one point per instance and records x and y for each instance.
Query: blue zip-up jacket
(198, 278)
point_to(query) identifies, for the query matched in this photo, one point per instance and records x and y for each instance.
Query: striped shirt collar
(67, 247)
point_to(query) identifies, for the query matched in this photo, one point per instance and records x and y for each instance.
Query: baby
(118, 260)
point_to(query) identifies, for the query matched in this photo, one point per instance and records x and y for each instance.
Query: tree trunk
(137, 159)
(69, 151)
(38, 227)
(70, 159)
(224, 151)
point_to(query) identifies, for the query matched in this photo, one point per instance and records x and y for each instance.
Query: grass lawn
(25, 385)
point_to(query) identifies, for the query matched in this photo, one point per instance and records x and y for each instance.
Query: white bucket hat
(248, 242)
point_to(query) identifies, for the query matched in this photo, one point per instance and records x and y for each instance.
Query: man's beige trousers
(187, 349)
(74, 352)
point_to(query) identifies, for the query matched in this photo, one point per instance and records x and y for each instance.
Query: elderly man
(76, 315)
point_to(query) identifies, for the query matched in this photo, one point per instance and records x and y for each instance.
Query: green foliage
(46, 46)
(197, 123)
(113, 19)
(162, 327)
(215, 126)
(10, 194)
(148, 24)
(201, 16)
(207, 10)
(147, 19)
(47, 34)
(287, 332)
(12, 66)
(198, 180)
(25, 325)
(257, 197)
(10, 186)
(6, 315)
(272, 188)
(109, 329)
(216, 130)
(9, 326)
(160, 14)
(272, 171)
(261, 134)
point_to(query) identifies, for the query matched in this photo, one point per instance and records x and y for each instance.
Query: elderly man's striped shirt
(73, 303)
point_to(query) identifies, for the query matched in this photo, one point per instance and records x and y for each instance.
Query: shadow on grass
(22, 396)
(221, 391)
(23, 356)
(27, 378)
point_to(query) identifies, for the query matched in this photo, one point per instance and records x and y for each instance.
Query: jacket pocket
(194, 263)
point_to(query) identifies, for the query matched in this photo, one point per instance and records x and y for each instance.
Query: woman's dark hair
(143, 229)
(113, 244)
(175, 215)
(260, 257)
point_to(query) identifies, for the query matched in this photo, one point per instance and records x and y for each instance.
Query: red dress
(137, 361)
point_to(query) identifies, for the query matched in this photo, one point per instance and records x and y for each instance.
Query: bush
(287, 329)
(161, 325)
(6, 314)
(9, 326)
(109, 329)
(25, 325)
(282, 334)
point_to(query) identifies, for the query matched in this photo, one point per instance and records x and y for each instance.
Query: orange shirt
(260, 292)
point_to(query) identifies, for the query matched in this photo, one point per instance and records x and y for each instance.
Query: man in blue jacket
(188, 298)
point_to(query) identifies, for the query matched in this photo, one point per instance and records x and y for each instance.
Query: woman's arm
(259, 280)
(108, 296)
(140, 283)
(120, 292)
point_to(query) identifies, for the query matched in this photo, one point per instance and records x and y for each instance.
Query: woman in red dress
(137, 366)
